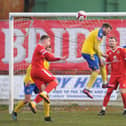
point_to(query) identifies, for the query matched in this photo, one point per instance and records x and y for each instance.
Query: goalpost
(62, 28)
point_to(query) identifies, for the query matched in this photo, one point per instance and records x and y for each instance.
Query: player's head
(45, 40)
(112, 42)
(106, 28)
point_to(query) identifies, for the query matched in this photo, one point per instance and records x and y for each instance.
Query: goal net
(67, 35)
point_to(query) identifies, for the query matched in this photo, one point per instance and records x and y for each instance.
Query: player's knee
(27, 101)
(43, 87)
(56, 81)
(27, 98)
(97, 70)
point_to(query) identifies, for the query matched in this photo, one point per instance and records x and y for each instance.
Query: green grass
(66, 117)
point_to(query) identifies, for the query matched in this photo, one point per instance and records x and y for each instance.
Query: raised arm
(50, 57)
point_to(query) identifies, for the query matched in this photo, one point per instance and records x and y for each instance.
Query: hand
(63, 58)
(92, 57)
(104, 55)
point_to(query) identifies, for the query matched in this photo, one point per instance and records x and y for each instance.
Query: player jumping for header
(92, 54)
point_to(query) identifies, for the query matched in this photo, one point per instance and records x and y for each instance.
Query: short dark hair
(106, 25)
(112, 37)
(44, 37)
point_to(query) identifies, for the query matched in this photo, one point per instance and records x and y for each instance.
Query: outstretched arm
(50, 57)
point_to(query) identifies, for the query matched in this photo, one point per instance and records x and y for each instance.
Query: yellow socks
(94, 75)
(46, 109)
(19, 106)
(92, 79)
(103, 74)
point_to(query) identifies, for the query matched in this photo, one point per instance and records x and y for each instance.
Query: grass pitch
(75, 116)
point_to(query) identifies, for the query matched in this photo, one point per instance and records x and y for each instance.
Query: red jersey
(39, 55)
(117, 60)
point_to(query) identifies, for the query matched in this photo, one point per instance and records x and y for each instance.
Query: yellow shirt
(92, 43)
(46, 64)
(27, 78)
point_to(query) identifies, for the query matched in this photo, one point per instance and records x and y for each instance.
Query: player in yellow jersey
(92, 54)
(29, 87)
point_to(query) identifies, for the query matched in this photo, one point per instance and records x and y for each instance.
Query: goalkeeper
(29, 87)
(92, 54)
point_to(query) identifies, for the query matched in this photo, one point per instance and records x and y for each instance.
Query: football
(81, 15)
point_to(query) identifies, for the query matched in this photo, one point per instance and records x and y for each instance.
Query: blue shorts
(124, 46)
(28, 89)
(93, 64)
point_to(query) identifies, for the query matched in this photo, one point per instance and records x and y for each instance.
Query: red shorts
(123, 81)
(117, 80)
(41, 76)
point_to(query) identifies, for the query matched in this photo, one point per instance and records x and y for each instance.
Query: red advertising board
(66, 38)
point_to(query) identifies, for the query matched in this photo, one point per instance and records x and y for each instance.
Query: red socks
(48, 89)
(107, 96)
(38, 99)
(51, 86)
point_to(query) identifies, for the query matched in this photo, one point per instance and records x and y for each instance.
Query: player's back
(115, 58)
(38, 58)
(88, 45)
(27, 78)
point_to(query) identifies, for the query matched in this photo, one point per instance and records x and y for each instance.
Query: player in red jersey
(117, 60)
(44, 80)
